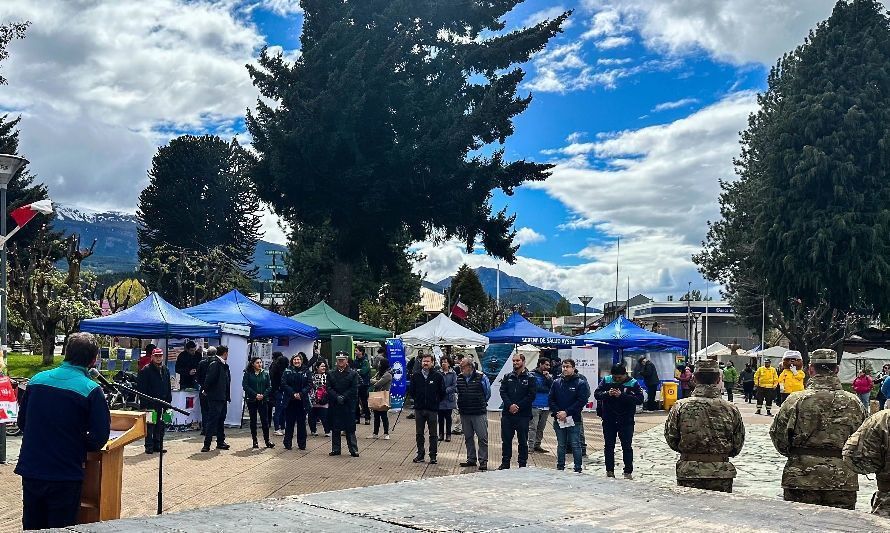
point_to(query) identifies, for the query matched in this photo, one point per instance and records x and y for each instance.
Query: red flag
(460, 310)
(25, 213)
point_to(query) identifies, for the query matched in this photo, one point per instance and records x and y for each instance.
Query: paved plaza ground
(194, 480)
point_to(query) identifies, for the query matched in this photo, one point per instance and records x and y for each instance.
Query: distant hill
(116, 242)
(517, 290)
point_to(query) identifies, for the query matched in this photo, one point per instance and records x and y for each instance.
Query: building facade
(703, 323)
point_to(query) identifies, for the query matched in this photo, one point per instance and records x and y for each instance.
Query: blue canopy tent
(235, 308)
(622, 334)
(151, 318)
(518, 330)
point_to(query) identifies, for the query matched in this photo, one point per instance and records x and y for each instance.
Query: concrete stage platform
(526, 500)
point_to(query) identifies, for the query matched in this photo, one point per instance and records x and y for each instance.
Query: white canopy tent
(442, 331)
(776, 353)
(852, 363)
(717, 349)
(531, 354)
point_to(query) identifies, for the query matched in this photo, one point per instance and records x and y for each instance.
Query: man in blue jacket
(567, 398)
(64, 415)
(541, 405)
(518, 389)
(618, 396)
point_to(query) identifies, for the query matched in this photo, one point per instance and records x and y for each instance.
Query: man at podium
(64, 415)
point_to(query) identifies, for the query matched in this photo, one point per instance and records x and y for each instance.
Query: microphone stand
(160, 405)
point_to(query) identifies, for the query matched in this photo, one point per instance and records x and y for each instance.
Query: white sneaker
(328, 434)
(371, 437)
(280, 432)
(386, 437)
(314, 433)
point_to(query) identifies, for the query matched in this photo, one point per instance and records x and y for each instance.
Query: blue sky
(638, 103)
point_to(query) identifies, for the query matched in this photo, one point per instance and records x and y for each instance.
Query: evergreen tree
(466, 287)
(806, 228)
(563, 307)
(378, 129)
(199, 220)
(8, 33)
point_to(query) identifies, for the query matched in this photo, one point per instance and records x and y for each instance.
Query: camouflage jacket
(705, 424)
(822, 417)
(866, 451)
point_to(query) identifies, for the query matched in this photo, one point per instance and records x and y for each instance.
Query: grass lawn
(19, 365)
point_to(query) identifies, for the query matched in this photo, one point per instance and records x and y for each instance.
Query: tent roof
(235, 308)
(776, 352)
(153, 317)
(717, 348)
(518, 330)
(442, 330)
(624, 334)
(330, 322)
(881, 354)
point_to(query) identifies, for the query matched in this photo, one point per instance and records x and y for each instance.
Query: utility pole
(689, 323)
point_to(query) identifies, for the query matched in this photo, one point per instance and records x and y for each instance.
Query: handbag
(378, 400)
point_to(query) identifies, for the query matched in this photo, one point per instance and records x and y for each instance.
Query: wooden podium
(103, 475)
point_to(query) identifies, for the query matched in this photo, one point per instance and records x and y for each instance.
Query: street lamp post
(9, 167)
(585, 300)
(695, 317)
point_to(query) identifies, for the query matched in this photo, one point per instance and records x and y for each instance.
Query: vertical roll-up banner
(395, 352)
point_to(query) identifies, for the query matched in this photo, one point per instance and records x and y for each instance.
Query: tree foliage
(563, 307)
(124, 294)
(805, 227)
(377, 131)
(8, 33)
(199, 220)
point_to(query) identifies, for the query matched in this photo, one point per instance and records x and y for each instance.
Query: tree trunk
(48, 342)
(341, 287)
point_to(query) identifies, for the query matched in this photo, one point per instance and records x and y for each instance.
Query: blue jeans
(278, 415)
(865, 398)
(572, 436)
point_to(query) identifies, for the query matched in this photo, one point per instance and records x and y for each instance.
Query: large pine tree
(380, 128)
(199, 219)
(806, 227)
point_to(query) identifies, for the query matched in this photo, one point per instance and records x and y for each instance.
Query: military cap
(342, 355)
(707, 365)
(823, 356)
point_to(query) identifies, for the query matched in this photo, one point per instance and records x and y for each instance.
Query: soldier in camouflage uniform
(868, 451)
(707, 430)
(810, 429)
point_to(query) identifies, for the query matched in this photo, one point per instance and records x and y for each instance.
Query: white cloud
(282, 7)
(526, 236)
(676, 104)
(101, 84)
(738, 31)
(614, 61)
(655, 187)
(547, 14)
(613, 42)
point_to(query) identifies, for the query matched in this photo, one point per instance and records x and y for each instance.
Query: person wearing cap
(810, 429)
(342, 386)
(154, 381)
(867, 451)
(707, 430)
(618, 396)
(792, 376)
(765, 381)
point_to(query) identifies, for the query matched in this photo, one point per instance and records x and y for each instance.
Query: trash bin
(669, 391)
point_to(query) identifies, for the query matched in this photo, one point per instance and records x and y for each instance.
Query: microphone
(95, 374)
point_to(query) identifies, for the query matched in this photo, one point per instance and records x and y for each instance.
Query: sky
(639, 104)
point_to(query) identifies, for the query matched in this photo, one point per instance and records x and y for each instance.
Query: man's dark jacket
(217, 384)
(569, 394)
(519, 389)
(185, 363)
(427, 391)
(154, 381)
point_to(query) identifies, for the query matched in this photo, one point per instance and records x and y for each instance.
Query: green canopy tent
(330, 322)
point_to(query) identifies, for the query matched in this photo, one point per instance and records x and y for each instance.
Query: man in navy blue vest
(64, 415)
(618, 396)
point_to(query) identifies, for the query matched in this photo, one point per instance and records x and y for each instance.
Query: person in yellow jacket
(791, 378)
(765, 380)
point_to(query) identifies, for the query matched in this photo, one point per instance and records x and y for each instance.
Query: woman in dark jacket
(296, 383)
(381, 382)
(257, 389)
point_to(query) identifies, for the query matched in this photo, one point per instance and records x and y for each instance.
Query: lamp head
(9, 167)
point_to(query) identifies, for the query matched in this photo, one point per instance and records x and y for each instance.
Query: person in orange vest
(765, 381)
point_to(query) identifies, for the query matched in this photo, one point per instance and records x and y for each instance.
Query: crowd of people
(824, 431)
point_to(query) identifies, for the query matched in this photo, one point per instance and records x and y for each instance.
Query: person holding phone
(619, 395)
